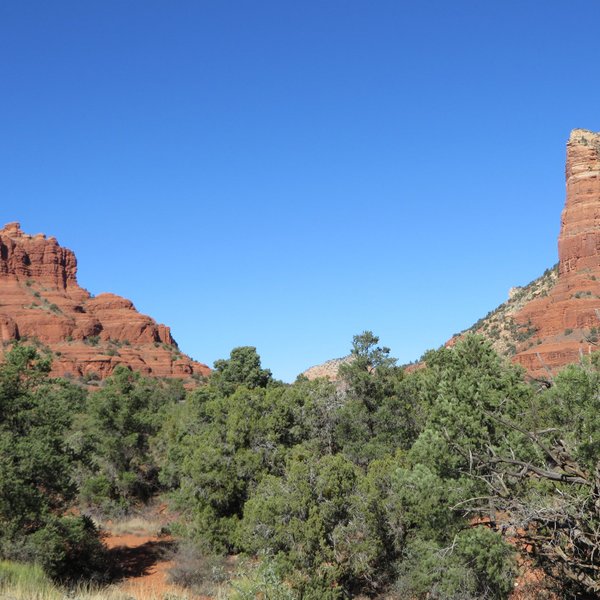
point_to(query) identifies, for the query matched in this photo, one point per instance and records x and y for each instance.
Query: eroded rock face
(579, 240)
(567, 320)
(25, 256)
(40, 299)
(561, 322)
(555, 320)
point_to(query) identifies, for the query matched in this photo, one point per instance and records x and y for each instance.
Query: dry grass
(134, 526)
(24, 592)
(201, 573)
(28, 582)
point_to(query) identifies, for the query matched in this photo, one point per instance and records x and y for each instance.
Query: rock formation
(41, 301)
(329, 369)
(556, 319)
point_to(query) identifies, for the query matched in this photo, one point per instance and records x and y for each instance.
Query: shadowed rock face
(41, 299)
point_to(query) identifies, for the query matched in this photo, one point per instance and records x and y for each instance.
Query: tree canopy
(383, 483)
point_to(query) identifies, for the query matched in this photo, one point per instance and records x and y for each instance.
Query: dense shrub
(381, 483)
(68, 548)
(112, 437)
(37, 468)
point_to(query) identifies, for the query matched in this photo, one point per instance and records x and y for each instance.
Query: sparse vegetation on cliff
(499, 325)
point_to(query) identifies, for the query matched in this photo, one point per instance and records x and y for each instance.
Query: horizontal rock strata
(41, 301)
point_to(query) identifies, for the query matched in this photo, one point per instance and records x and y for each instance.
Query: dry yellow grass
(25, 592)
(28, 582)
(134, 525)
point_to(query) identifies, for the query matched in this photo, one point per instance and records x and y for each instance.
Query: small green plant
(91, 376)
(92, 340)
(568, 331)
(262, 581)
(198, 570)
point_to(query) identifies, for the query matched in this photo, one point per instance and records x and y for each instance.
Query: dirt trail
(140, 564)
(140, 557)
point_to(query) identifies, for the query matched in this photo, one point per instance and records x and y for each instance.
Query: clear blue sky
(287, 174)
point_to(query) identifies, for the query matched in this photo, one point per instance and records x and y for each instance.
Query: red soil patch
(141, 562)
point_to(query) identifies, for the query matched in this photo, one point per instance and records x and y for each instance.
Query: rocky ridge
(41, 301)
(329, 369)
(500, 326)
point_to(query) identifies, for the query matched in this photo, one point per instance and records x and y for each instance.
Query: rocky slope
(41, 301)
(500, 326)
(328, 369)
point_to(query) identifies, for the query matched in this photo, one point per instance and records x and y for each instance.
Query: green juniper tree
(37, 468)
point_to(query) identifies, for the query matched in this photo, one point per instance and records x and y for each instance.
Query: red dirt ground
(141, 564)
(141, 561)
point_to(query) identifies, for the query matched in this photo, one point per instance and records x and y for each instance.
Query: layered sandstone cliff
(41, 301)
(555, 320)
(560, 323)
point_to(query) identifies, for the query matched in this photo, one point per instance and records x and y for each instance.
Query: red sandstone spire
(579, 240)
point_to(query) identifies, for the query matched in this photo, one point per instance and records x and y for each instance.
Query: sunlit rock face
(556, 319)
(41, 301)
(579, 240)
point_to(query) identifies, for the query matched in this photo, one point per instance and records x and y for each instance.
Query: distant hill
(329, 369)
(41, 302)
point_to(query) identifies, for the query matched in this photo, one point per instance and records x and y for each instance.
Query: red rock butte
(555, 320)
(41, 301)
(565, 320)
